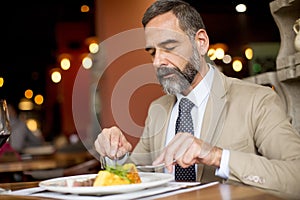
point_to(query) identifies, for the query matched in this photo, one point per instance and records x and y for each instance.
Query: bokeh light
(84, 8)
(65, 63)
(237, 65)
(87, 62)
(39, 99)
(28, 93)
(211, 54)
(1, 81)
(220, 53)
(93, 47)
(241, 8)
(227, 59)
(249, 53)
(32, 124)
(56, 76)
(25, 104)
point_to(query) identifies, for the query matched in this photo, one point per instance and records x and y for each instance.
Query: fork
(150, 166)
(106, 161)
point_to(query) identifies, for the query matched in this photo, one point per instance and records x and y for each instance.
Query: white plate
(149, 180)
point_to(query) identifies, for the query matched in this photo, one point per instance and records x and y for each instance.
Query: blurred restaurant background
(45, 44)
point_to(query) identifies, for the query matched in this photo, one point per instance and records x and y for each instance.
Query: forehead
(166, 20)
(164, 27)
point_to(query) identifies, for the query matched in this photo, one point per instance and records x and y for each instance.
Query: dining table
(214, 191)
(72, 156)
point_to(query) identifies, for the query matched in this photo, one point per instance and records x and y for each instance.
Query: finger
(176, 148)
(115, 135)
(167, 156)
(102, 144)
(192, 153)
(187, 159)
(169, 167)
(97, 147)
(125, 144)
(159, 159)
(183, 155)
(124, 147)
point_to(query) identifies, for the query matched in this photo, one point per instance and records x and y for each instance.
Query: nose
(159, 59)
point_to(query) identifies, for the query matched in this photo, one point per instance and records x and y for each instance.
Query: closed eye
(169, 48)
(169, 45)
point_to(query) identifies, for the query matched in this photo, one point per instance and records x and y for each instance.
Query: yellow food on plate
(106, 178)
(126, 174)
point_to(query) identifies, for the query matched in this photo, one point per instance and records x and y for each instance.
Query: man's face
(176, 81)
(175, 58)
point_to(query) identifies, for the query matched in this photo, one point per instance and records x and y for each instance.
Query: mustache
(163, 71)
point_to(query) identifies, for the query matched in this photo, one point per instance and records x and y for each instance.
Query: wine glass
(4, 122)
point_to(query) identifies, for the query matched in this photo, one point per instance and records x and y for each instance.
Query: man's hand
(112, 143)
(187, 150)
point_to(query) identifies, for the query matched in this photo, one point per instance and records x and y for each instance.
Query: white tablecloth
(168, 189)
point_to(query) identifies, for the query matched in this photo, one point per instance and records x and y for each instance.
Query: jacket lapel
(214, 112)
(213, 118)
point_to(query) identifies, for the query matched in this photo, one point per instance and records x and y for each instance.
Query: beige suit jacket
(247, 119)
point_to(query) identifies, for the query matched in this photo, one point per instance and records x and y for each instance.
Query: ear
(202, 41)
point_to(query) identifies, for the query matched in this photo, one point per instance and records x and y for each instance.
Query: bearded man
(224, 129)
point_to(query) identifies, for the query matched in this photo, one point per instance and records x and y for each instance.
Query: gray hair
(189, 18)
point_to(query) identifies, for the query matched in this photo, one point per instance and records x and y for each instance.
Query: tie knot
(185, 105)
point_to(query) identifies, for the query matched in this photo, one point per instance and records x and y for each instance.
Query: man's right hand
(112, 143)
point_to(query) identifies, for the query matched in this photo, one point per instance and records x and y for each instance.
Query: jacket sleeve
(276, 165)
(140, 154)
(152, 141)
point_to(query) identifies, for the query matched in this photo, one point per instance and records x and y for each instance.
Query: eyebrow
(169, 41)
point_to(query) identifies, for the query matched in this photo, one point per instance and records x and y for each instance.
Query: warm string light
(28, 93)
(227, 59)
(87, 62)
(249, 53)
(65, 59)
(55, 76)
(218, 52)
(65, 63)
(1, 82)
(39, 99)
(93, 47)
(237, 65)
(32, 125)
(84, 8)
(241, 8)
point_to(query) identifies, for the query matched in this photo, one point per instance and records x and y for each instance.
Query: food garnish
(119, 175)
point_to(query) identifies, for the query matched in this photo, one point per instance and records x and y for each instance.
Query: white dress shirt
(199, 96)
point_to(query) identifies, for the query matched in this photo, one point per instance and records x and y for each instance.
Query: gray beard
(180, 80)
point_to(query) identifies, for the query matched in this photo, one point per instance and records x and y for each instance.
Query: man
(240, 132)
(21, 137)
